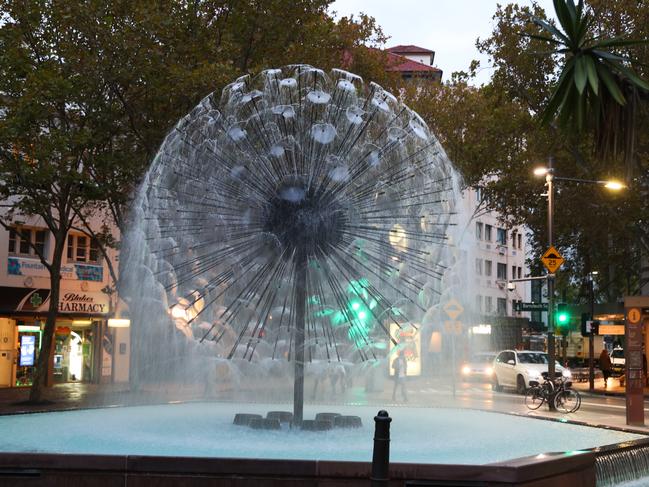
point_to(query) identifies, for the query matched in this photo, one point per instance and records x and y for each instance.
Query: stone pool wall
(57, 470)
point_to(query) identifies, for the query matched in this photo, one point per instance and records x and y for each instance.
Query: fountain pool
(201, 429)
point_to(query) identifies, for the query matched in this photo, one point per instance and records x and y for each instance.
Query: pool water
(418, 435)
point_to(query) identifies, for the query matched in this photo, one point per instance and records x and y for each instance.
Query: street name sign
(520, 306)
(552, 259)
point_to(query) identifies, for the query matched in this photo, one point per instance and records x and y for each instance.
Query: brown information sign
(634, 369)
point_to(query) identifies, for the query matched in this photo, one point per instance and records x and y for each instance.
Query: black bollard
(381, 455)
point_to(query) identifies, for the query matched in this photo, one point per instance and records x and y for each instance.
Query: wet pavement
(597, 408)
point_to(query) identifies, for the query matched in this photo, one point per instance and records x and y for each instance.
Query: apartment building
(498, 255)
(86, 348)
(413, 63)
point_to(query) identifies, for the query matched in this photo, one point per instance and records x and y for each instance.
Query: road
(595, 408)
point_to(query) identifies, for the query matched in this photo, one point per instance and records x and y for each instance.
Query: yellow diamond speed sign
(552, 259)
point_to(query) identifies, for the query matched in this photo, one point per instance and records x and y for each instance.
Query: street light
(591, 338)
(548, 172)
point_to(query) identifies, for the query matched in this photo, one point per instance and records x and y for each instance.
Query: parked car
(516, 368)
(618, 361)
(479, 367)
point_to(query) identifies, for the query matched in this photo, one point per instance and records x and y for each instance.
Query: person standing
(400, 367)
(605, 365)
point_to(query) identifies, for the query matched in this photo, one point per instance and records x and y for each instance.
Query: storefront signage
(38, 301)
(611, 329)
(72, 302)
(27, 350)
(21, 266)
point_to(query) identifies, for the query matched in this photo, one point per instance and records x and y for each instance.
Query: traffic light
(587, 330)
(585, 318)
(562, 317)
(594, 327)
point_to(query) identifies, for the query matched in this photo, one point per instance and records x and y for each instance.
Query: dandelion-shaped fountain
(297, 203)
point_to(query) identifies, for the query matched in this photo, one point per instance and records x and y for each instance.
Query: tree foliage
(89, 89)
(597, 86)
(495, 135)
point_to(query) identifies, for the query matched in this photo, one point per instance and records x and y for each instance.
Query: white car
(479, 367)
(516, 368)
(618, 361)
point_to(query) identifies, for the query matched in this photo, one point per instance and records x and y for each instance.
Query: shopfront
(82, 349)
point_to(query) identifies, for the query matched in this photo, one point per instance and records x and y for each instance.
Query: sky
(448, 27)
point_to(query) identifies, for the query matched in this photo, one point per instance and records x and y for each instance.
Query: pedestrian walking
(400, 367)
(605, 365)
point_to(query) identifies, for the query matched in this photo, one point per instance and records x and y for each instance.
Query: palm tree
(597, 87)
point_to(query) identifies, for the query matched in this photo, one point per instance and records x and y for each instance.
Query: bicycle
(566, 399)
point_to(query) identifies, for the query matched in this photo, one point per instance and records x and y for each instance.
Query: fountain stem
(300, 317)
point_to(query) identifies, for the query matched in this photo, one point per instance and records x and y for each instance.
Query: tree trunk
(44, 357)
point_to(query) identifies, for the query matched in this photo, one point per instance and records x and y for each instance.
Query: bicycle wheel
(567, 401)
(534, 397)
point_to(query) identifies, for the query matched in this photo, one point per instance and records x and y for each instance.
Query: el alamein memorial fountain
(300, 225)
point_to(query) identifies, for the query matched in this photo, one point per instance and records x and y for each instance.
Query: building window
(82, 249)
(501, 236)
(501, 272)
(478, 230)
(513, 272)
(520, 242)
(487, 268)
(488, 304)
(487, 233)
(20, 239)
(501, 306)
(478, 303)
(478, 267)
(520, 272)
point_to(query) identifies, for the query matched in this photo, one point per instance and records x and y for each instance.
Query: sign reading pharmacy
(552, 259)
(72, 302)
(37, 301)
(21, 266)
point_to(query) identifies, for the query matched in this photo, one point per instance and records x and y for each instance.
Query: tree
(88, 91)
(493, 133)
(597, 86)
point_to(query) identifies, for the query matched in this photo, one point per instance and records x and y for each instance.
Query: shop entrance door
(73, 355)
(7, 351)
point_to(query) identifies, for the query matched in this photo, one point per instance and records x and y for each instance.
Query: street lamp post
(548, 172)
(549, 182)
(591, 337)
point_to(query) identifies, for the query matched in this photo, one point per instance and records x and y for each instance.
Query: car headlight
(466, 370)
(566, 373)
(488, 371)
(534, 374)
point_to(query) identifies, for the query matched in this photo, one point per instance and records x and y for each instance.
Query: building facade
(497, 256)
(494, 253)
(85, 348)
(413, 63)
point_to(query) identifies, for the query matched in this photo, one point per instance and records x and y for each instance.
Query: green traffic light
(563, 318)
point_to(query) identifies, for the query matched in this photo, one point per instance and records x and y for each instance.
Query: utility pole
(591, 338)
